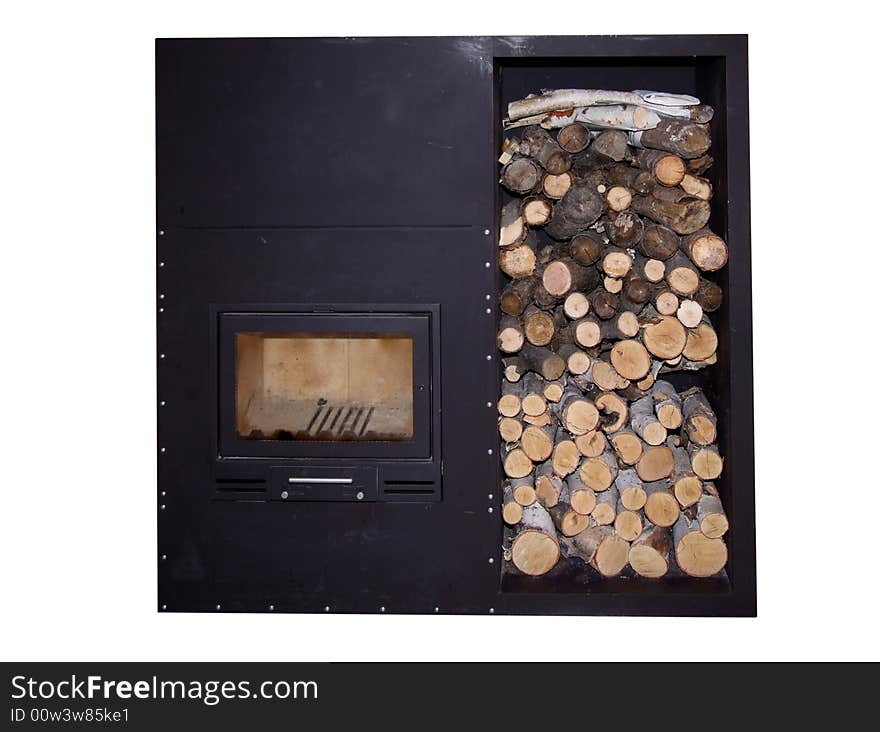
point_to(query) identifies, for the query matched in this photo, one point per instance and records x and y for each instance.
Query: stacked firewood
(606, 245)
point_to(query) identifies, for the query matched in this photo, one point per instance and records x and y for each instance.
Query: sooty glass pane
(324, 386)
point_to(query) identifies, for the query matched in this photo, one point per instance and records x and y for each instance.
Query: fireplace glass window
(324, 386)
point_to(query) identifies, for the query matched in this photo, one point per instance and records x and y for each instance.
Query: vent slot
(240, 485)
(409, 487)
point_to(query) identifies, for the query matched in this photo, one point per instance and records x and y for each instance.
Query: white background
(77, 495)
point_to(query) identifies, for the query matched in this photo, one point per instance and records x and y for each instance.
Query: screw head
(284, 494)
(164, 557)
(162, 296)
(489, 357)
(491, 496)
(489, 404)
(161, 232)
(488, 297)
(161, 355)
(164, 607)
(486, 232)
(487, 265)
(488, 311)
(271, 607)
(382, 609)
(218, 607)
(491, 611)
(436, 609)
(326, 608)
(161, 264)
(162, 507)
(161, 404)
(491, 560)
(161, 449)
(360, 495)
(489, 451)
(491, 510)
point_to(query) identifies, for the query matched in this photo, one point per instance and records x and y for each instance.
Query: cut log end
(534, 553)
(699, 556)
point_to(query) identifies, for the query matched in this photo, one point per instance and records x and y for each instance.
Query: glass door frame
(416, 325)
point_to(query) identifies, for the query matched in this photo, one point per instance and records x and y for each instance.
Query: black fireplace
(327, 313)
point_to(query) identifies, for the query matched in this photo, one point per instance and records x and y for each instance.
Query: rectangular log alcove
(483, 346)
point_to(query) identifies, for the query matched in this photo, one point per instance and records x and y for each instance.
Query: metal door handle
(337, 481)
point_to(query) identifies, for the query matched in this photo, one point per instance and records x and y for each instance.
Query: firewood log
(517, 295)
(535, 550)
(510, 429)
(622, 326)
(568, 522)
(516, 462)
(573, 138)
(627, 524)
(644, 422)
(536, 211)
(510, 403)
(511, 511)
(706, 250)
(697, 187)
(575, 412)
(684, 216)
(625, 229)
(627, 446)
(696, 554)
(581, 497)
(666, 301)
(613, 412)
(538, 326)
(533, 402)
(587, 331)
(689, 313)
(708, 295)
(681, 275)
(663, 335)
(605, 510)
(661, 508)
(668, 169)
(618, 117)
(556, 186)
(539, 145)
(563, 276)
(649, 553)
(518, 261)
(512, 225)
(610, 145)
(614, 285)
(616, 262)
(542, 361)
(523, 490)
(553, 390)
(649, 270)
(700, 421)
(578, 209)
(659, 242)
(656, 463)
(617, 198)
(706, 462)
(513, 369)
(537, 442)
(701, 342)
(630, 489)
(632, 361)
(635, 179)
(599, 473)
(548, 486)
(684, 138)
(510, 335)
(520, 176)
(592, 443)
(576, 360)
(549, 101)
(699, 166)
(667, 404)
(576, 305)
(565, 457)
(686, 486)
(710, 514)
(600, 547)
(586, 248)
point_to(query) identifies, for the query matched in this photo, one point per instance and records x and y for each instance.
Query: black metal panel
(320, 132)
(272, 190)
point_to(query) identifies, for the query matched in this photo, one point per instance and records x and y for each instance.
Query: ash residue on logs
(608, 252)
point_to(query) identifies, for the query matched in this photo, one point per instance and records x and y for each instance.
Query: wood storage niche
(614, 252)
